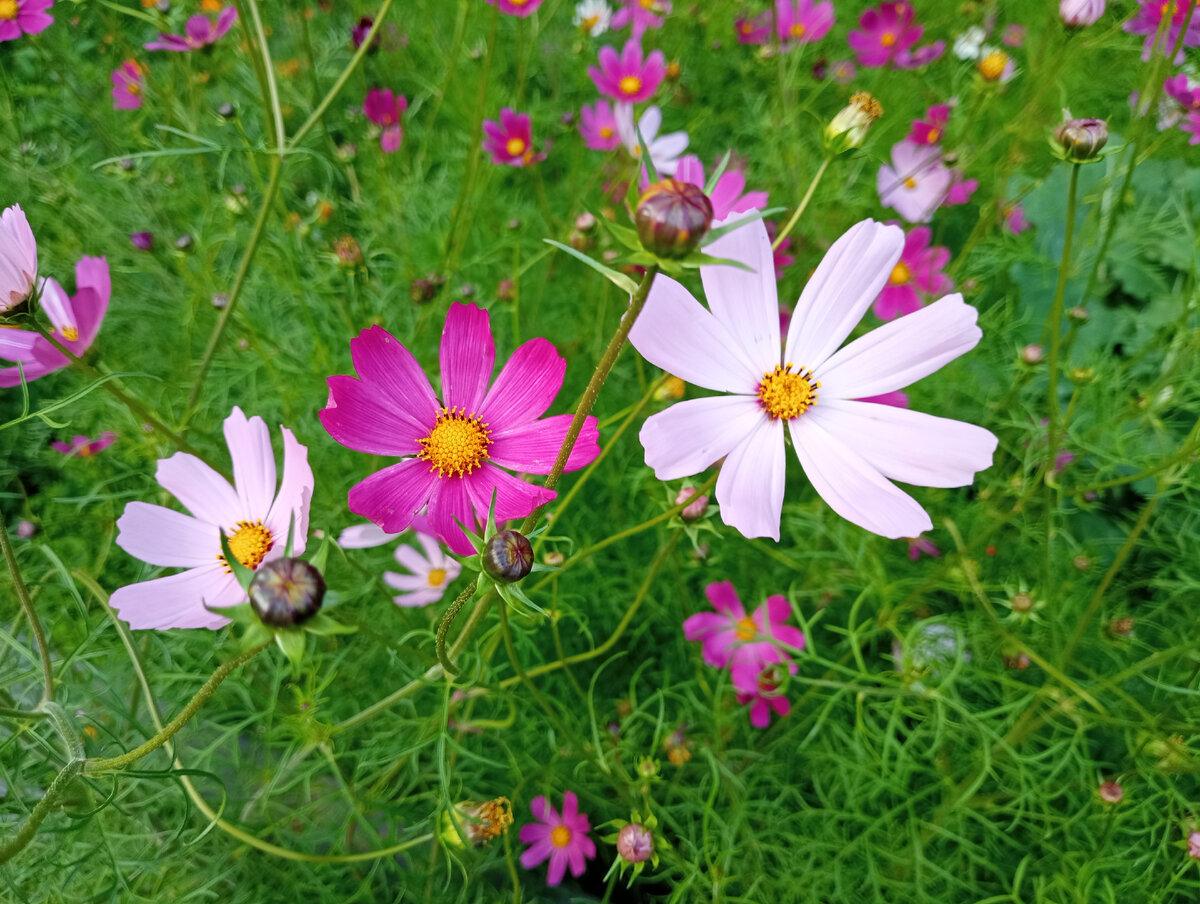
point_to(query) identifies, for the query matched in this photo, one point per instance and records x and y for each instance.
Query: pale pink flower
(641, 15)
(727, 195)
(802, 21)
(18, 17)
(201, 32)
(18, 258)
(255, 518)
(629, 78)
(83, 447)
(563, 840)
(1193, 843)
(431, 571)
(128, 80)
(1080, 12)
(384, 108)
(509, 141)
(598, 126)
(916, 182)
(850, 450)
(917, 273)
(522, 9)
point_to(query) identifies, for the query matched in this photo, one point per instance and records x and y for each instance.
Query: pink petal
(291, 506)
(178, 601)
(525, 387)
(543, 812)
(93, 288)
(411, 559)
(575, 859)
(419, 597)
(515, 498)
(852, 487)
(533, 447)
(253, 461)
(408, 581)
(691, 435)
(750, 486)
(536, 854)
(558, 866)
(161, 536)
(901, 352)
(57, 306)
(391, 496)
(845, 283)
(381, 361)
(703, 625)
(364, 417)
(449, 507)
(363, 536)
(203, 492)
(570, 808)
(535, 831)
(724, 599)
(467, 357)
(746, 304)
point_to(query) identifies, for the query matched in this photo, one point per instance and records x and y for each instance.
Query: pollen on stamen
(249, 541)
(457, 445)
(786, 392)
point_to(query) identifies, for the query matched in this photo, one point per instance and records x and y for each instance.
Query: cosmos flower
(766, 696)
(510, 141)
(18, 258)
(883, 31)
(664, 150)
(849, 449)
(593, 17)
(961, 188)
(256, 520)
(201, 32)
(127, 84)
(562, 840)
(931, 129)
(915, 183)
(75, 321)
(756, 30)
(431, 571)
(452, 451)
(727, 195)
(917, 273)
(628, 77)
(384, 108)
(995, 65)
(918, 546)
(598, 126)
(522, 9)
(28, 17)
(641, 15)
(1014, 217)
(1149, 17)
(142, 241)
(802, 21)
(83, 447)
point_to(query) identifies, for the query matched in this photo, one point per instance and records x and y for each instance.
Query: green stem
(1186, 451)
(444, 625)
(812, 187)
(35, 624)
(40, 811)
(272, 91)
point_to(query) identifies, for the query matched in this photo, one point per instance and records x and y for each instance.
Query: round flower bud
(507, 557)
(672, 217)
(1082, 139)
(1078, 314)
(695, 511)
(1033, 354)
(286, 592)
(635, 843)
(1111, 792)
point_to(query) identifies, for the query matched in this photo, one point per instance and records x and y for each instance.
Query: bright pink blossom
(75, 321)
(1080, 12)
(563, 840)
(756, 30)
(641, 15)
(453, 450)
(883, 31)
(1193, 845)
(1014, 217)
(917, 273)
(255, 518)
(128, 81)
(727, 196)
(766, 696)
(384, 108)
(916, 182)
(961, 188)
(510, 141)
(519, 8)
(850, 450)
(1192, 126)
(18, 17)
(628, 77)
(201, 32)
(931, 129)
(1183, 91)
(1150, 16)
(18, 258)
(83, 447)
(802, 21)
(743, 643)
(919, 56)
(598, 126)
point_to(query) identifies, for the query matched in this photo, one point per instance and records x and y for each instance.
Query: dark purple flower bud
(507, 557)
(286, 592)
(143, 241)
(359, 33)
(1082, 139)
(672, 217)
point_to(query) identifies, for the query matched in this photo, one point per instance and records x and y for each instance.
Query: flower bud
(1111, 793)
(849, 127)
(635, 843)
(695, 511)
(286, 592)
(507, 557)
(1078, 314)
(672, 217)
(1079, 13)
(348, 252)
(1032, 354)
(1082, 139)
(480, 822)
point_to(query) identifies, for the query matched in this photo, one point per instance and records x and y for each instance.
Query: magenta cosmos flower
(641, 15)
(384, 108)
(628, 77)
(255, 519)
(803, 21)
(916, 183)
(766, 696)
(75, 321)
(850, 450)
(128, 80)
(744, 643)
(598, 126)
(200, 31)
(919, 271)
(28, 17)
(520, 8)
(884, 31)
(756, 30)
(561, 840)
(83, 447)
(931, 129)
(727, 195)
(18, 258)
(1150, 16)
(453, 450)
(510, 141)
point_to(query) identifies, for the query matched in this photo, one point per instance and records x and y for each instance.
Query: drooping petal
(525, 387)
(203, 492)
(253, 458)
(178, 601)
(746, 304)
(750, 486)
(467, 357)
(691, 435)
(290, 509)
(165, 537)
(533, 447)
(391, 496)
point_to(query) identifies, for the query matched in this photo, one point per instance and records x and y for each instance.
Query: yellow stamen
(249, 541)
(515, 147)
(647, 4)
(560, 836)
(70, 333)
(8, 9)
(887, 39)
(630, 84)
(786, 394)
(589, 23)
(910, 183)
(933, 136)
(798, 30)
(746, 629)
(457, 444)
(436, 577)
(992, 66)
(606, 132)
(900, 275)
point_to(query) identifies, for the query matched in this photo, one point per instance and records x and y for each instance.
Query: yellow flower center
(560, 836)
(991, 67)
(249, 542)
(630, 84)
(900, 275)
(589, 23)
(910, 183)
(797, 30)
(887, 39)
(746, 629)
(518, 2)
(515, 147)
(934, 135)
(210, 6)
(456, 445)
(647, 4)
(747, 28)
(786, 394)
(68, 332)
(8, 9)
(606, 132)
(436, 577)
(133, 88)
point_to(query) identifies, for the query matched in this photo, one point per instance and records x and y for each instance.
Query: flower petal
(750, 486)
(162, 536)
(253, 461)
(449, 507)
(290, 509)
(363, 536)
(746, 304)
(178, 601)
(526, 386)
(467, 356)
(390, 497)
(204, 492)
(362, 416)
(515, 498)
(533, 447)
(691, 435)
(558, 866)
(724, 599)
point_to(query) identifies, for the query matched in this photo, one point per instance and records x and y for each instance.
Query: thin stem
(269, 74)
(1186, 451)
(812, 187)
(35, 624)
(40, 811)
(444, 625)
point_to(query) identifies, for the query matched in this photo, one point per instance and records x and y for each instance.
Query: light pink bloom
(917, 273)
(83, 447)
(919, 545)
(76, 321)
(598, 126)
(1150, 15)
(931, 129)
(766, 697)
(802, 21)
(883, 31)
(364, 536)
(127, 84)
(201, 32)
(510, 141)
(628, 78)
(562, 840)
(520, 8)
(746, 644)
(1193, 843)
(18, 17)
(18, 258)
(755, 30)
(384, 108)
(641, 14)
(253, 516)
(430, 573)
(1014, 35)
(916, 182)
(727, 194)
(452, 450)
(850, 450)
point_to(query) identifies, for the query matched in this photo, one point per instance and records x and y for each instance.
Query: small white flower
(664, 150)
(968, 44)
(593, 16)
(430, 575)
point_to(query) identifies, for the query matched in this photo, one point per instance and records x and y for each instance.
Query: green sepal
(714, 234)
(623, 234)
(287, 547)
(620, 280)
(538, 566)
(513, 595)
(256, 633)
(644, 157)
(292, 642)
(241, 573)
(320, 558)
(324, 625)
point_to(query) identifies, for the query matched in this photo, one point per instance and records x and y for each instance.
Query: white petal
(253, 458)
(750, 487)
(162, 536)
(689, 436)
(364, 536)
(746, 304)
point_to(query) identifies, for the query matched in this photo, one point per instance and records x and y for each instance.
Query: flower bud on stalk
(635, 843)
(672, 217)
(507, 557)
(848, 129)
(286, 592)
(1082, 139)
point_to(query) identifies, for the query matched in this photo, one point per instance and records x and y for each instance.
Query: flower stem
(30, 615)
(444, 625)
(812, 187)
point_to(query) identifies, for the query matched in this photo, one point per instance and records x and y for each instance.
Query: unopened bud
(635, 843)
(694, 511)
(1082, 139)
(672, 217)
(227, 111)
(1078, 314)
(348, 252)
(1032, 354)
(506, 290)
(286, 592)
(848, 129)
(1022, 602)
(508, 557)
(1111, 792)
(26, 529)
(185, 243)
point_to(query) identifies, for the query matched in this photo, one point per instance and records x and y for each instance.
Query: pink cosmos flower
(255, 519)
(1193, 843)
(727, 195)
(664, 150)
(1183, 91)
(201, 32)
(510, 141)
(83, 447)
(127, 84)
(562, 840)
(598, 126)
(18, 17)
(932, 128)
(918, 546)
(1150, 15)
(641, 14)
(429, 574)
(746, 644)
(919, 56)
(919, 271)
(883, 31)
(18, 258)
(766, 696)
(1014, 35)
(802, 21)
(916, 182)
(384, 108)
(1014, 217)
(142, 241)
(452, 450)
(520, 8)
(76, 321)
(961, 188)
(850, 450)
(780, 256)
(1192, 126)
(628, 78)
(756, 30)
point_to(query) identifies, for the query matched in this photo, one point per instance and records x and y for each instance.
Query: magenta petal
(361, 416)
(253, 461)
(533, 447)
(703, 624)
(390, 497)
(536, 854)
(450, 510)
(515, 498)
(525, 387)
(467, 356)
(392, 372)
(558, 866)
(178, 601)
(203, 492)
(724, 599)
(91, 273)
(162, 536)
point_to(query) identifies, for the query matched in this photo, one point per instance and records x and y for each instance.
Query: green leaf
(292, 642)
(623, 234)
(644, 157)
(243, 574)
(323, 625)
(715, 234)
(699, 258)
(711, 184)
(619, 279)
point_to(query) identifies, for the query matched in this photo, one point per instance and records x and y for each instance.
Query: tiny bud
(508, 557)
(126, 163)
(1082, 139)
(848, 129)
(506, 290)
(1121, 627)
(553, 559)
(1022, 602)
(674, 70)
(624, 708)
(1111, 792)
(1081, 563)
(695, 511)
(672, 388)
(990, 550)
(672, 217)
(184, 243)
(635, 843)
(1078, 314)
(142, 241)
(163, 6)
(514, 223)
(227, 111)
(220, 300)
(286, 592)
(647, 768)
(467, 290)
(26, 529)
(1020, 662)
(568, 118)
(348, 252)
(1081, 375)
(585, 222)
(1032, 354)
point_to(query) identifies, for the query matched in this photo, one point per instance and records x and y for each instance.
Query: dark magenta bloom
(200, 32)
(23, 17)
